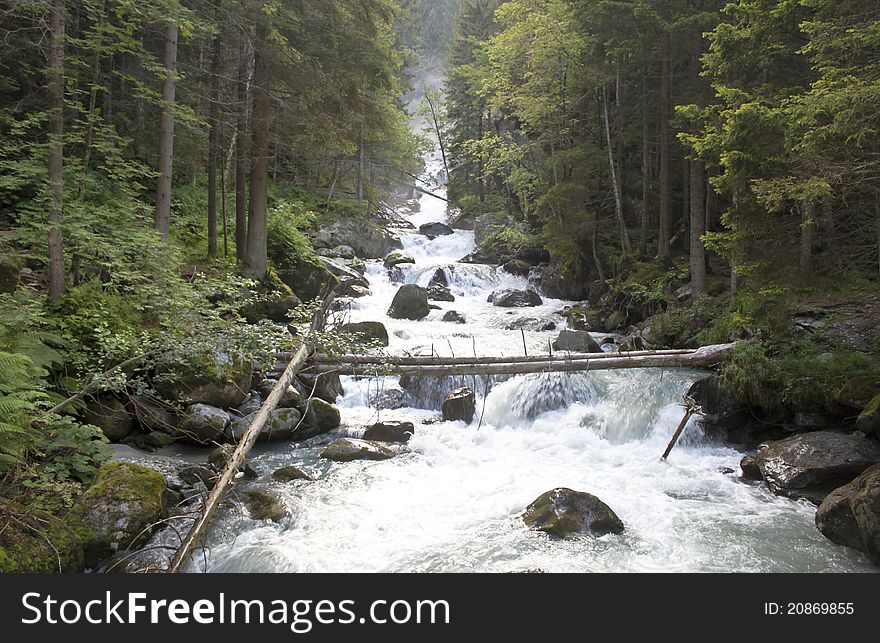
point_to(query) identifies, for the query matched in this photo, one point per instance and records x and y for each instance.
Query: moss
(35, 541)
(327, 416)
(265, 506)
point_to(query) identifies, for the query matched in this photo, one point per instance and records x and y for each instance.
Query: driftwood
(691, 408)
(202, 520)
(699, 358)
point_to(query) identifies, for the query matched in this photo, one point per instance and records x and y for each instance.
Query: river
(451, 500)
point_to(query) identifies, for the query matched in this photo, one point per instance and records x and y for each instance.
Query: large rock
(121, 508)
(391, 431)
(811, 465)
(868, 421)
(396, 259)
(438, 292)
(326, 386)
(345, 274)
(153, 415)
(463, 221)
(283, 424)
(308, 277)
(392, 397)
(850, 515)
(460, 404)
(10, 273)
(454, 317)
(410, 302)
(434, 230)
(517, 267)
(274, 307)
(563, 512)
(327, 416)
(576, 341)
(369, 240)
(366, 332)
(439, 278)
(203, 424)
(725, 416)
(532, 323)
(349, 449)
(223, 383)
(111, 416)
(264, 505)
(290, 473)
(516, 299)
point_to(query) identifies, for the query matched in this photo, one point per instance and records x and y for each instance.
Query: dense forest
(694, 171)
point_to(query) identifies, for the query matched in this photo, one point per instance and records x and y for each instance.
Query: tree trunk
(162, 213)
(241, 209)
(828, 230)
(698, 229)
(213, 147)
(56, 152)
(256, 262)
(663, 250)
(437, 130)
(615, 182)
(806, 243)
(646, 170)
(360, 165)
(93, 103)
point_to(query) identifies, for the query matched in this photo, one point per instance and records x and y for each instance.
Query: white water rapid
(451, 501)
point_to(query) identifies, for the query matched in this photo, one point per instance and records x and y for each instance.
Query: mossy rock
(868, 421)
(289, 474)
(39, 542)
(10, 273)
(219, 380)
(121, 509)
(327, 416)
(308, 277)
(563, 512)
(263, 505)
(111, 416)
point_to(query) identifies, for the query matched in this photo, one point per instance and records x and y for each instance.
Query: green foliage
(286, 239)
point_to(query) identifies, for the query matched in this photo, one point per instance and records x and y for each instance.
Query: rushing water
(451, 500)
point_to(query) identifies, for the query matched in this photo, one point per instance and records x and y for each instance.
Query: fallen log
(203, 518)
(707, 356)
(428, 360)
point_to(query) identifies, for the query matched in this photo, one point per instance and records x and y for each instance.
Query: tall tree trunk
(481, 183)
(664, 250)
(241, 208)
(256, 262)
(615, 181)
(93, 101)
(828, 230)
(162, 213)
(360, 165)
(213, 146)
(438, 131)
(808, 208)
(698, 229)
(646, 170)
(56, 152)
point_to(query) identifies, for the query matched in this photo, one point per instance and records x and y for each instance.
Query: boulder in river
(434, 230)
(563, 512)
(868, 421)
(326, 386)
(532, 324)
(370, 331)
(454, 317)
(326, 416)
(282, 425)
(396, 259)
(392, 397)
(750, 468)
(307, 277)
(517, 267)
(439, 278)
(223, 382)
(391, 431)
(410, 302)
(369, 240)
(811, 465)
(850, 515)
(515, 299)
(220, 457)
(263, 505)
(463, 221)
(576, 341)
(203, 424)
(289, 474)
(460, 405)
(109, 415)
(121, 509)
(350, 449)
(440, 293)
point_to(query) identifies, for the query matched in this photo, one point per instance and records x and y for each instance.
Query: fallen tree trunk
(188, 544)
(427, 360)
(700, 358)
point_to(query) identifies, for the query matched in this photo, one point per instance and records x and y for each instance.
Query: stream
(450, 501)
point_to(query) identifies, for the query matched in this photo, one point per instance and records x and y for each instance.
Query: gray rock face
(750, 468)
(810, 465)
(399, 432)
(576, 341)
(850, 515)
(289, 474)
(327, 416)
(369, 240)
(203, 424)
(282, 425)
(263, 505)
(367, 331)
(517, 267)
(326, 386)
(350, 449)
(224, 385)
(460, 404)
(389, 398)
(110, 415)
(345, 274)
(439, 278)
(532, 323)
(154, 416)
(434, 230)
(563, 512)
(463, 221)
(516, 299)
(410, 302)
